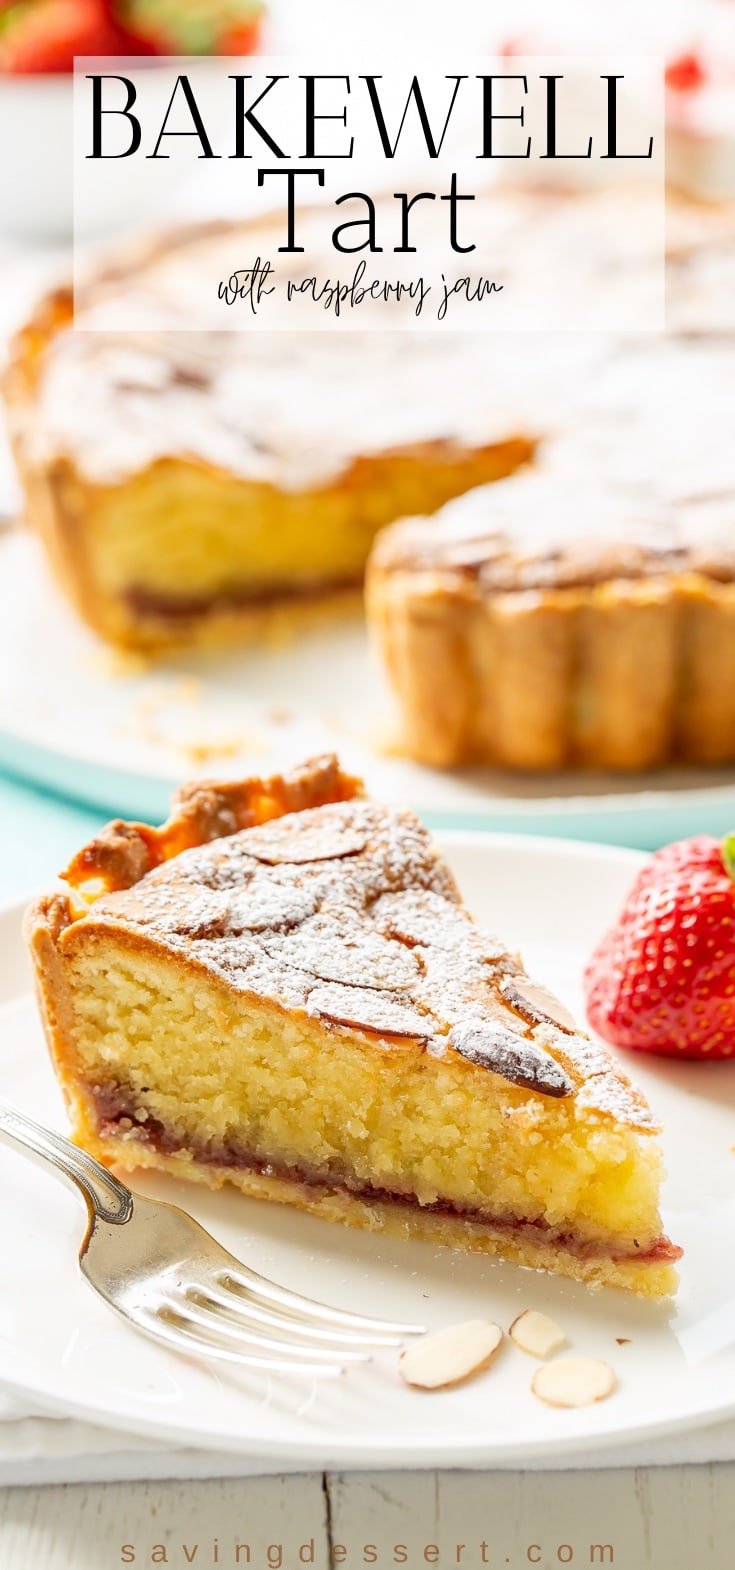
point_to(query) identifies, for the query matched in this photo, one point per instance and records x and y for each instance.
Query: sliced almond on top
(537, 1334)
(536, 1004)
(447, 1356)
(573, 1381)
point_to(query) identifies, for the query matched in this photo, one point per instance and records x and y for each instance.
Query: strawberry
(663, 979)
(43, 36)
(242, 40)
(685, 74)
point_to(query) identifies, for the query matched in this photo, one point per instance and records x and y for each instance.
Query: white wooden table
(668, 1518)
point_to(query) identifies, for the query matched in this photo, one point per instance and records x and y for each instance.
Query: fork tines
(237, 1315)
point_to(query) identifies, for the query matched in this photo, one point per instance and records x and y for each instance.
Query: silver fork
(158, 1268)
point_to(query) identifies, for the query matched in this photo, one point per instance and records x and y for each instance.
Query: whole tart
(552, 622)
(186, 484)
(282, 990)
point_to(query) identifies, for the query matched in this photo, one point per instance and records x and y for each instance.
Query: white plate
(123, 740)
(61, 1348)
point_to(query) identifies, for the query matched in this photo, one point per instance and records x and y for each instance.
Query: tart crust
(541, 626)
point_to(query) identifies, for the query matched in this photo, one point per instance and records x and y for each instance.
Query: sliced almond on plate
(537, 1334)
(447, 1356)
(573, 1381)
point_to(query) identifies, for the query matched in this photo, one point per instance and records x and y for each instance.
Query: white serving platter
(76, 720)
(62, 1351)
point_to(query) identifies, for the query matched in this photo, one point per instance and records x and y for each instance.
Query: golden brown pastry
(549, 622)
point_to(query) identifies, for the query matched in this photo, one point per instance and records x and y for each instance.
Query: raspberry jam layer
(116, 1123)
(144, 602)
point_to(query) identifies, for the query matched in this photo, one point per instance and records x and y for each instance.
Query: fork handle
(107, 1198)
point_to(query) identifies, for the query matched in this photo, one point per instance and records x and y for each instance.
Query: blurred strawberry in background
(43, 36)
(685, 73)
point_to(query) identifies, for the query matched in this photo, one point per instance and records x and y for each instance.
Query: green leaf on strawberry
(728, 854)
(11, 15)
(191, 26)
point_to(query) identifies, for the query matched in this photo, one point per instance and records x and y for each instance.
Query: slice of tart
(281, 989)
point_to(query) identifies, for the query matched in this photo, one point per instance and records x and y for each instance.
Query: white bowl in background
(36, 133)
(37, 163)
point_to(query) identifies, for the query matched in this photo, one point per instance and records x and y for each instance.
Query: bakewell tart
(282, 990)
(186, 483)
(546, 623)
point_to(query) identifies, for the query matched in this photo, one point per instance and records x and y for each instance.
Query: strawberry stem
(728, 854)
